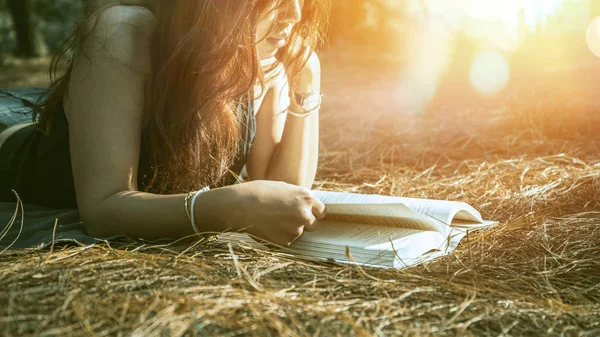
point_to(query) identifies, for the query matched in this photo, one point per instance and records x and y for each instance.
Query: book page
(353, 234)
(368, 237)
(383, 247)
(389, 215)
(368, 244)
(469, 225)
(339, 254)
(318, 252)
(442, 210)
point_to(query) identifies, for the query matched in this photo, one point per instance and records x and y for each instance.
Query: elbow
(90, 224)
(97, 218)
(93, 224)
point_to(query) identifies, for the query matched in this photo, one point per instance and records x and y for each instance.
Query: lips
(282, 36)
(279, 40)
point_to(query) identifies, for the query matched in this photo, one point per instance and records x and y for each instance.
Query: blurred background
(510, 66)
(401, 64)
(487, 45)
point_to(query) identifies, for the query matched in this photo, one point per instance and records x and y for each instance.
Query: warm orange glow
(510, 13)
(427, 63)
(490, 72)
(488, 45)
(593, 36)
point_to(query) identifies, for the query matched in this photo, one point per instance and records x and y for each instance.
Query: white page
(245, 239)
(391, 215)
(326, 251)
(405, 242)
(399, 258)
(383, 260)
(457, 223)
(354, 234)
(442, 210)
(318, 252)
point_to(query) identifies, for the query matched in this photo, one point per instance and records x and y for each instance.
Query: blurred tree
(366, 21)
(379, 25)
(345, 17)
(30, 42)
(56, 19)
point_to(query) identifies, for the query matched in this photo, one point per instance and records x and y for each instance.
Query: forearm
(151, 216)
(296, 156)
(288, 151)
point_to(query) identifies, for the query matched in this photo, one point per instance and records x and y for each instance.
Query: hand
(309, 78)
(274, 211)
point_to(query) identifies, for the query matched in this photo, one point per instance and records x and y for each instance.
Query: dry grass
(518, 160)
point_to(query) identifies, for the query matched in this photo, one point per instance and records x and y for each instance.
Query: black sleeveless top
(38, 167)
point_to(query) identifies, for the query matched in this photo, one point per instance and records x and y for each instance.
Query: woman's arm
(286, 147)
(104, 107)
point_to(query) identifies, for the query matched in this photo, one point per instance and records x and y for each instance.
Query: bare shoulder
(137, 18)
(122, 34)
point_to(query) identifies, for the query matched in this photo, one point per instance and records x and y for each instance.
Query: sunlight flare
(593, 36)
(490, 72)
(510, 13)
(427, 64)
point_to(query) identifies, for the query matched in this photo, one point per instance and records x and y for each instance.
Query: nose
(292, 12)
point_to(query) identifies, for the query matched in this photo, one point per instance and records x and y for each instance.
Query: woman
(162, 100)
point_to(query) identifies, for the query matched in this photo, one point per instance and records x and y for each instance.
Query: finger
(312, 220)
(298, 234)
(312, 227)
(318, 209)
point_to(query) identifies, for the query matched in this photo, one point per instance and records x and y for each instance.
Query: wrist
(304, 105)
(210, 213)
(224, 208)
(295, 107)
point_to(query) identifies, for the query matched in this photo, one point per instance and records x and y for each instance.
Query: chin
(263, 55)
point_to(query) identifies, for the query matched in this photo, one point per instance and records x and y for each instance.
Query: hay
(536, 274)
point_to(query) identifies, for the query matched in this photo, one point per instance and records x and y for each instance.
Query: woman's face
(275, 27)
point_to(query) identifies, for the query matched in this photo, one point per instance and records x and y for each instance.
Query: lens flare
(490, 72)
(534, 13)
(593, 36)
(430, 53)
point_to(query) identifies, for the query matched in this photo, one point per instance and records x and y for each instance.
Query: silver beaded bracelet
(303, 114)
(193, 204)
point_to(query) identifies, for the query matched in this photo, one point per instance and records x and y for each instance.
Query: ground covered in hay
(529, 158)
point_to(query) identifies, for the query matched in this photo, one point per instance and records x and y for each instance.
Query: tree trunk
(29, 42)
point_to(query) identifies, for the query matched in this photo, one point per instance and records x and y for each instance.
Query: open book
(385, 231)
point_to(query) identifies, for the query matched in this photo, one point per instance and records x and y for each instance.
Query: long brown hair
(204, 63)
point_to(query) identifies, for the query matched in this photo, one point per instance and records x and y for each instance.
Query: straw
(535, 274)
